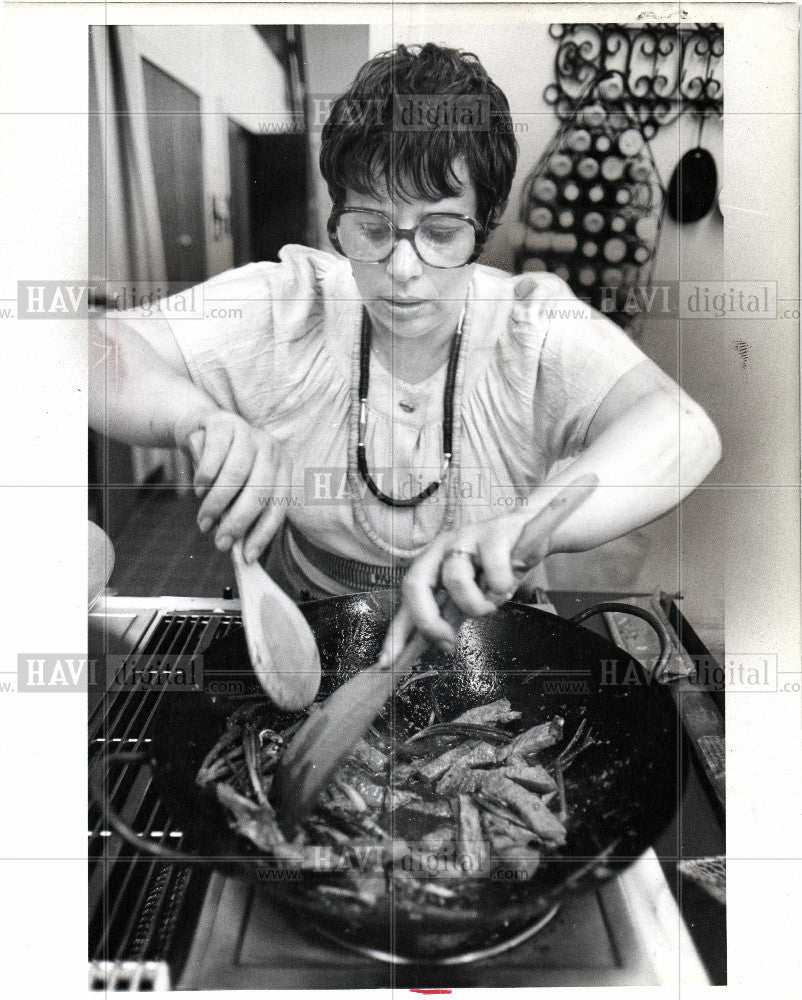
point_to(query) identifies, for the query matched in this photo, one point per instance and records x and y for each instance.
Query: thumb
(187, 424)
(194, 444)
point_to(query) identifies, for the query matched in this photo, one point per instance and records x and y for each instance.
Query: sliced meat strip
(534, 740)
(534, 778)
(472, 846)
(468, 755)
(370, 756)
(497, 711)
(458, 780)
(529, 807)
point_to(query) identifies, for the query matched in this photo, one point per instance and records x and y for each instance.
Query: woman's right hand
(239, 470)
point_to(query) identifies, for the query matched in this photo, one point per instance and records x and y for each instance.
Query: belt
(350, 573)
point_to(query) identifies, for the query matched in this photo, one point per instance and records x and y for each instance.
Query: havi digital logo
(55, 672)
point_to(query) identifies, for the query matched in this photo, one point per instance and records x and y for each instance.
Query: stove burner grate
(136, 934)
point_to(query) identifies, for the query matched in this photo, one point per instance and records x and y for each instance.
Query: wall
(236, 75)
(523, 72)
(333, 54)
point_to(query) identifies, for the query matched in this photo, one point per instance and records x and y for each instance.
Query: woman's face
(406, 298)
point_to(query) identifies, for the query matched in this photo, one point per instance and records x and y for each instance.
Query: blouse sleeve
(241, 321)
(582, 354)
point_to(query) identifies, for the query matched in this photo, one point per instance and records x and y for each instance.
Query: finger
(232, 477)
(497, 573)
(418, 596)
(195, 443)
(216, 446)
(251, 501)
(458, 577)
(260, 535)
(398, 634)
(187, 430)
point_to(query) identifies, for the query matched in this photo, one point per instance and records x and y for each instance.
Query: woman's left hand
(473, 564)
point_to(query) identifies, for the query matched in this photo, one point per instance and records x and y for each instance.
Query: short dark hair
(360, 146)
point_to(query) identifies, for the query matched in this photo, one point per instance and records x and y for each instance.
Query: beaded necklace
(357, 464)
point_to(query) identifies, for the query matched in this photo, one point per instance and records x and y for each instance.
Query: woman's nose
(404, 263)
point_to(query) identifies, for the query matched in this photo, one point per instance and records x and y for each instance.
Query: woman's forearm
(136, 397)
(141, 396)
(646, 462)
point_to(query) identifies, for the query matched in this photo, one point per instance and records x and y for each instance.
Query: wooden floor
(160, 551)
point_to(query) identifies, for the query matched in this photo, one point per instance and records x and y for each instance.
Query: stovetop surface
(245, 941)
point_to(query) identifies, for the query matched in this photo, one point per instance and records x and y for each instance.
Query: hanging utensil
(693, 185)
(692, 188)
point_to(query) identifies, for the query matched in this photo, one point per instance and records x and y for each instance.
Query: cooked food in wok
(415, 823)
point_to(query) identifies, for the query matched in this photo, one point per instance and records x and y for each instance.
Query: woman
(406, 408)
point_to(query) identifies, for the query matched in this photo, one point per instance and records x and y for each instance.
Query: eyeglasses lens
(444, 241)
(365, 236)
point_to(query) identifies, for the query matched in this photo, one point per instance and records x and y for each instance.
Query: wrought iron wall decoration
(592, 207)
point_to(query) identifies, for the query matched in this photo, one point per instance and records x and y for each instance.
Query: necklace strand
(448, 420)
(451, 468)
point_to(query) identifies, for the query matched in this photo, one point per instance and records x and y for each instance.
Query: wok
(621, 792)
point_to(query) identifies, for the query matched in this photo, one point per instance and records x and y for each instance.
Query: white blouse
(277, 345)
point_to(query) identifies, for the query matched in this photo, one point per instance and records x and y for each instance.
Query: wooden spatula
(333, 728)
(281, 646)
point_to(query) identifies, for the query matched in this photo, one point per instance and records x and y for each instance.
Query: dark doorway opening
(269, 192)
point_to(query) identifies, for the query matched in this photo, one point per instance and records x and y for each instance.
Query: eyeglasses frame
(338, 212)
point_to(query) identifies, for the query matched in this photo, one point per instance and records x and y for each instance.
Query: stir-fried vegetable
(458, 800)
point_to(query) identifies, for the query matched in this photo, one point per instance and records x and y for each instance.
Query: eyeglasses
(440, 239)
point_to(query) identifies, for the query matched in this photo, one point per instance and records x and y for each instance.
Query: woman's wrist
(531, 506)
(193, 409)
(551, 505)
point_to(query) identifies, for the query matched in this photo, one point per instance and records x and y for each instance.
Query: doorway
(174, 131)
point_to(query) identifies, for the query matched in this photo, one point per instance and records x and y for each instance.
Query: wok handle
(666, 644)
(115, 821)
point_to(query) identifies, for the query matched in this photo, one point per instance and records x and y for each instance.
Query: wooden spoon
(281, 646)
(334, 727)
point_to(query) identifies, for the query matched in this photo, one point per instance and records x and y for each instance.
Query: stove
(157, 925)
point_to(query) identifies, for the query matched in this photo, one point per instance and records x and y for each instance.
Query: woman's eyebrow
(369, 208)
(389, 212)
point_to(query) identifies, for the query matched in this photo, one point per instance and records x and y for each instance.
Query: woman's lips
(405, 306)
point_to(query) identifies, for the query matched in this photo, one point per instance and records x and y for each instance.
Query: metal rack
(138, 937)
